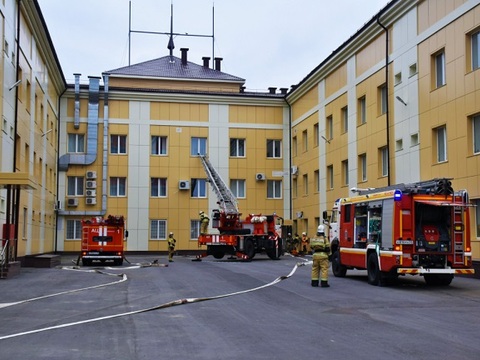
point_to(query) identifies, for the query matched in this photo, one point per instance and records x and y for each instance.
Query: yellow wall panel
(306, 103)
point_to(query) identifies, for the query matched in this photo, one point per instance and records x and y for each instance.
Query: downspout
(290, 154)
(387, 108)
(105, 144)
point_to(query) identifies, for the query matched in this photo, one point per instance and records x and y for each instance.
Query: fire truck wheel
(373, 270)
(438, 280)
(218, 254)
(249, 248)
(338, 269)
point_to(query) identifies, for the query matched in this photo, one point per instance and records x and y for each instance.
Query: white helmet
(321, 229)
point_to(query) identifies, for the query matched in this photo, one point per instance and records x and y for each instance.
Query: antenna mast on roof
(171, 45)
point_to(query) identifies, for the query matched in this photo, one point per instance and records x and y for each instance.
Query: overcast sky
(266, 42)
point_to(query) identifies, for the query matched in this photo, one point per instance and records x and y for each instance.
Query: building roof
(171, 67)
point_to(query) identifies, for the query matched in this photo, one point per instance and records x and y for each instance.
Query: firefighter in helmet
(204, 221)
(321, 252)
(305, 243)
(171, 246)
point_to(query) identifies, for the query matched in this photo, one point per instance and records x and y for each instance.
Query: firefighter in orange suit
(204, 221)
(321, 252)
(305, 243)
(171, 246)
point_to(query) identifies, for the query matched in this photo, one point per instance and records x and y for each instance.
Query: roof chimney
(272, 90)
(206, 61)
(184, 55)
(218, 61)
(283, 90)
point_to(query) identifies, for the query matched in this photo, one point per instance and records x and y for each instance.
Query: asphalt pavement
(227, 309)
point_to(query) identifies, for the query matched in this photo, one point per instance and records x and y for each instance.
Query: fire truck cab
(103, 240)
(418, 229)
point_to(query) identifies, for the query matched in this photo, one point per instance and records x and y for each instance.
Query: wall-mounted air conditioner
(72, 202)
(184, 185)
(294, 170)
(90, 201)
(58, 206)
(260, 177)
(91, 184)
(91, 174)
(91, 193)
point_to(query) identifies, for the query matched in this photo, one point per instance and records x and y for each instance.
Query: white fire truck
(419, 228)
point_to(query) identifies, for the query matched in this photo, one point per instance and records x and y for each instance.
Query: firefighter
(305, 243)
(289, 242)
(321, 252)
(171, 246)
(204, 221)
(296, 242)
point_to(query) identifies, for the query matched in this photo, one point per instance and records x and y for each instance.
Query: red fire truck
(242, 238)
(421, 228)
(103, 239)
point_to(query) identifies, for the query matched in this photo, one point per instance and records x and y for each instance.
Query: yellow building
(396, 103)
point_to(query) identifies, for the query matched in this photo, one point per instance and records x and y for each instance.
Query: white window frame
(76, 143)
(237, 147)
(117, 184)
(384, 161)
(475, 48)
(158, 187)
(198, 146)
(159, 145)
(73, 229)
(194, 229)
(440, 73)
(441, 134)
(75, 183)
(158, 229)
(274, 189)
(118, 144)
(274, 149)
(237, 187)
(198, 188)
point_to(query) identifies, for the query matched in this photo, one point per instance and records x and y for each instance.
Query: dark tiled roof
(165, 68)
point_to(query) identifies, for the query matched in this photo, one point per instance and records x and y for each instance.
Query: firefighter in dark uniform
(204, 221)
(321, 252)
(171, 246)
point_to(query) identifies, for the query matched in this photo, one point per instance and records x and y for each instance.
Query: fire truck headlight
(397, 195)
(458, 227)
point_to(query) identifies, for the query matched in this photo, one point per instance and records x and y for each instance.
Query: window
(158, 187)
(440, 69)
(476, 202)
(362, 110)
(362, 166)
(316, 135)
(118, 144)
(294, 146)
(238, 188)
(118, 186)
(441, 137)
(330, 176)
(305, 184)
(274, 189)
(345, 172)
(76, 143)
(75, 186)
(382, 99)
(383, 161)
(305, 140)
(274, 149)
(329, 126)
(414, 139)
(476, 134)
(237, 147)
(316, 179)
(74, 230)
(159, 145)
(345, 119)
(412, 69)
(194, 229)
(475, 41)
(158, 229)
(199, 188)
(198, 146)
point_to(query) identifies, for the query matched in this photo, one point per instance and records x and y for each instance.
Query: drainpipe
(290, 154)
(387, 115)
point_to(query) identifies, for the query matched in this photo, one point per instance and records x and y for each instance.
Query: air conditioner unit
(91, 201)
(260, 177)
(91, 174)
(294, 170)
(72, 202)
(58, 205)
(91, 184)
(184, 185)
(91, 193)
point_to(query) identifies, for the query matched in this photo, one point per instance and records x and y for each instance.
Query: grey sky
(267, 42)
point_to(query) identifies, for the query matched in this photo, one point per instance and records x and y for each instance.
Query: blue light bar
(397, 195)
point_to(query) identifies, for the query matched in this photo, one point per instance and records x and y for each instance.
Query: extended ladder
(225, 197)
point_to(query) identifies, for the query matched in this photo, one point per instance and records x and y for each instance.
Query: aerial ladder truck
(241, 238)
